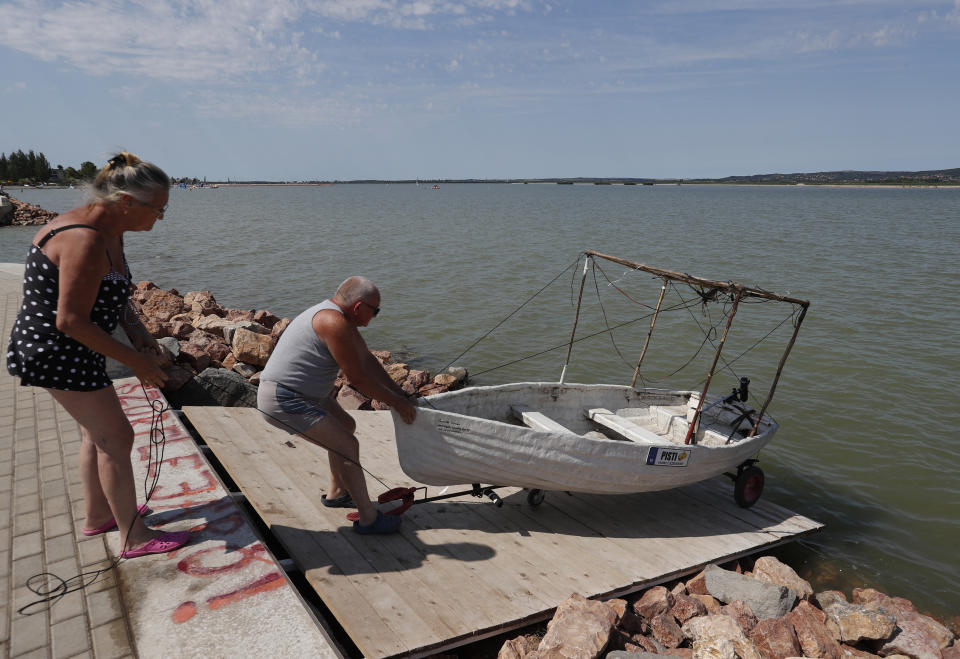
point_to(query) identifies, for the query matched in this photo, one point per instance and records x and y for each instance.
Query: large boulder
(686, 607)
(775, 639)
(912, 639)
(903, 610)
(252, 348)
(769, 569)
(163, 305)
(742, 613)
(654, 601)
(855, 622)
(719, 636)
(227, 388)
(815, 639)
(581, 628)
(666, 631)
(351, 399)
(203, 303)
(766, 600)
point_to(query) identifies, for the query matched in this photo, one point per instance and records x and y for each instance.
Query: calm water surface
(868, 400)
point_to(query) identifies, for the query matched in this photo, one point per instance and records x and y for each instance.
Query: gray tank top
(301, 361)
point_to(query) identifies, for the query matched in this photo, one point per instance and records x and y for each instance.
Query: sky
(291, 90)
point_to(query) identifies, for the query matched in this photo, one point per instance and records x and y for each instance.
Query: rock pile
(722, 614)
(25, 214)
(219, 353)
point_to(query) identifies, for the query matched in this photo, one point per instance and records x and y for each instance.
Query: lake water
(867, 403)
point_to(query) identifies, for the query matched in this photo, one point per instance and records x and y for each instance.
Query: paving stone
(104, 581)
(56, 525)
(49, 444)
(110, 641)
(26, 523)
(50, 460)
(60, 548)
(39, 653)
(26, 567)
(27, 499)
(6, 483)
(68, 606)
(27, 545)
(55, 488)
(78, 510)
(28, 457)
(28, 632)
(4, 624)
(52, 473)
(57, 506)
(104, 606)
(69, 637)
(92, 552)
(24, 475)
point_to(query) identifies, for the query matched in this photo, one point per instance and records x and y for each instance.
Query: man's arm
(358, 363)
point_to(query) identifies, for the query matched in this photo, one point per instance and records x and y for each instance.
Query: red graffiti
(263, 584)
(192, 564)
(186, 489)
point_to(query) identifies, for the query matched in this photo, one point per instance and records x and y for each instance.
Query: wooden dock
(463, 569)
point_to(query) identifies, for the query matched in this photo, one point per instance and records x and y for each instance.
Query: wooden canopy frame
(738, 291)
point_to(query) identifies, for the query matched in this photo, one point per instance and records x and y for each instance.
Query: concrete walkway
(223, 595)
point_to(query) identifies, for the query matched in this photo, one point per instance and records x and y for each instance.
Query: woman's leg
(105, 467)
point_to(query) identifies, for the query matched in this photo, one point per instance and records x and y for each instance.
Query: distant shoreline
(876, 186)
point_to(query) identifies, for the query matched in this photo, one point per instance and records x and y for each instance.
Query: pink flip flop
(143, 509)
(163, 544)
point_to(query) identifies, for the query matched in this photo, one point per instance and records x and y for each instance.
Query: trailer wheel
(748, 486)
(535, 497)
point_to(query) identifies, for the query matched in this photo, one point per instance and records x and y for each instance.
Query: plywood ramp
(463, 569)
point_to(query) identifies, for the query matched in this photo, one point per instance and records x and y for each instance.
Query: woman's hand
(146, 366)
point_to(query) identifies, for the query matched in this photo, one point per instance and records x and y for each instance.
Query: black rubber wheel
(748, 486)
(535, 497)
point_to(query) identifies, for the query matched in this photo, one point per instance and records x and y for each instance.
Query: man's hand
(406, 410)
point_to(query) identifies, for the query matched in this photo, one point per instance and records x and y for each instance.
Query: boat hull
(471, 436)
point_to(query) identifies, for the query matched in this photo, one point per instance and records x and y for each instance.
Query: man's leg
(337, 483)
(335, 433)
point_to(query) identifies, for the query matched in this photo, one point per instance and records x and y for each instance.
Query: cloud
(206, 40)
(166, 39)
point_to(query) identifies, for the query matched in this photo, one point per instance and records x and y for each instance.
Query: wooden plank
(371, 611)
(624, 427)
(462, 569)
(534, 419)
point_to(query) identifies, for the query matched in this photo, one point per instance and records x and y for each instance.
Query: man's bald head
(356, 289)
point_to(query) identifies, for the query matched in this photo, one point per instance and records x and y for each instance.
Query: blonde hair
(126, 175)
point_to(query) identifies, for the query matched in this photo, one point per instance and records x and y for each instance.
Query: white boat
(596, 438)
(604, 439)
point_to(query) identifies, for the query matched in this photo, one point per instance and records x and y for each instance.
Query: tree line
(31, 167)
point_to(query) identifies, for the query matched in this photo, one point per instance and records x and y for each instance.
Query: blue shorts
(287, 409)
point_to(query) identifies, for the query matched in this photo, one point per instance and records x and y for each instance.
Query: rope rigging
(704, 298)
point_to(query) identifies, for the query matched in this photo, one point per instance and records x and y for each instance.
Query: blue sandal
(382, 524)
(340, 502)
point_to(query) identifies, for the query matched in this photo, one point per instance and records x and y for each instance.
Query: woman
(75, 289)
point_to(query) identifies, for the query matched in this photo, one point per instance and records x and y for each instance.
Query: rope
(511, 315)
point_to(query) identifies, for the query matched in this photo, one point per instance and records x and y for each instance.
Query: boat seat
(537, 420)
(623, 426)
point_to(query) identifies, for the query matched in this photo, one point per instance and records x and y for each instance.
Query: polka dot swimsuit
(41, 355)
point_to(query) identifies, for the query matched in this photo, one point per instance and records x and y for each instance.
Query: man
(297, 383)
